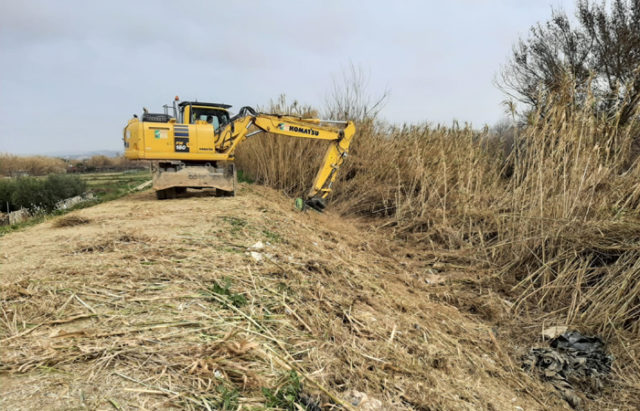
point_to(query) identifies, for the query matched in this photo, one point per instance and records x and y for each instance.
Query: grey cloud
(74, 71)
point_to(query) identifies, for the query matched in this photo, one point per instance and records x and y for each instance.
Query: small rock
(256, 256)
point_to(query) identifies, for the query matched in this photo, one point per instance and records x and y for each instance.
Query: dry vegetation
(148, 304)
(32, 165)
(12, 165)
(554, 224)
(437, 267)
(103, 162)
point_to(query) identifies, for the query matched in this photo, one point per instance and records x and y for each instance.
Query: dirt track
(123, 312)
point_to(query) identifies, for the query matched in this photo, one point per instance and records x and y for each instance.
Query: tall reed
(556, 218)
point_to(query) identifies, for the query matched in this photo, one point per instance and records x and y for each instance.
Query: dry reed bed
(554, 222)
(32, 165)
(121, 310)
(13, 165)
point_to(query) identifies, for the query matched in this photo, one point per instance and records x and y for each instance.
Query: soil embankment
(200, 300)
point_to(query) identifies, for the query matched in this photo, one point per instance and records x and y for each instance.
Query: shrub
(6, 188)
(38, 193)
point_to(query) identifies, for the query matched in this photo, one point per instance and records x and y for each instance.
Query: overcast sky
(73, 72)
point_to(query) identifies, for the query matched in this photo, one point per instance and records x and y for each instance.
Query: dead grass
(446, 264)
(128, 310)
(32, 165)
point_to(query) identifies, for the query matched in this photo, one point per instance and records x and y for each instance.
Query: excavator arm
(249, 122)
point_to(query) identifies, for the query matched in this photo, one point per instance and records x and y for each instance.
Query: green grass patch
(113, 186)
(232, 250)
(237, 224)
(272, 237)
(224, 290)
(287, 396)
(224, 399)
(244, 177)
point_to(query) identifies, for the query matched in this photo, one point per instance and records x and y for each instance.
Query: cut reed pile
(555, 223)
(155, 305)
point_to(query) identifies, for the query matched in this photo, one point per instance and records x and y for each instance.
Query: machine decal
(182, 144)
(304, 130)
(181, 131)
(281, 126)
(161, 133)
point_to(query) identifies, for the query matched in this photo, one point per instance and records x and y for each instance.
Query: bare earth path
(150, 304)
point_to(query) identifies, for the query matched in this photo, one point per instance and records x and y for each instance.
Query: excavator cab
(204, 113)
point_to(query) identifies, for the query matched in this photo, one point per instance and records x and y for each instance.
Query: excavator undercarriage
(172, 178)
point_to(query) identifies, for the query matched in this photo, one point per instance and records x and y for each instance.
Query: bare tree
(349, 98)
(601, 55)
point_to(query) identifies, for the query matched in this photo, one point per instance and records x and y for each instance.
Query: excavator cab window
(214, 117)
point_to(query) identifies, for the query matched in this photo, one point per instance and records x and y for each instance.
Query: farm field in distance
(109, 185)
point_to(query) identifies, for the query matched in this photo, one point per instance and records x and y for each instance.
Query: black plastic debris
(573, 362)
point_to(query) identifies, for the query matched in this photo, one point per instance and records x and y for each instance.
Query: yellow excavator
(195, 147)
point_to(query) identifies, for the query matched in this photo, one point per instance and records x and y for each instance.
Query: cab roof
(200, 103)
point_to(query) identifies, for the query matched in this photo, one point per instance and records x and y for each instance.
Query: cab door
(206, 137)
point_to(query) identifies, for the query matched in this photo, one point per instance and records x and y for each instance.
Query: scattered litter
(256, 256)
(257, 246)
(573, 361)
(310, 402)
(553, 332)
(362, 401)
(143, 185)
(72, 201)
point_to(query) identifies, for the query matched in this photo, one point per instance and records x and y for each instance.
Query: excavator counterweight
(195, 148)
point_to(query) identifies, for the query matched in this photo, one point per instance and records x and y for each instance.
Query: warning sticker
(161, 134)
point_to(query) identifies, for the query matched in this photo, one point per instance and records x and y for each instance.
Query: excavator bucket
(315, 203)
